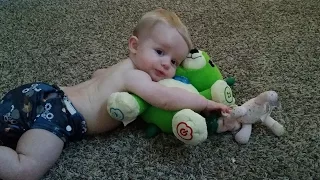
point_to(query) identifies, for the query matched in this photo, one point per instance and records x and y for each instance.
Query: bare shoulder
(118, 75)
(127, 72)
(135, 77)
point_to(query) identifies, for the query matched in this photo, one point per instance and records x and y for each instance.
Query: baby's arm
(99, 72)
(169, 98)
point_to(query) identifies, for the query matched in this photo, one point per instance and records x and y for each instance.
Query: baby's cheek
(172, 73)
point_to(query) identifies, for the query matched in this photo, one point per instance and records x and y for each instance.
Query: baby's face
(161, 52)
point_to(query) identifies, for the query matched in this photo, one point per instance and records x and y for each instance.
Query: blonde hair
(151, 18)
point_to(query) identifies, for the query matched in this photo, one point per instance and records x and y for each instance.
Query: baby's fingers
(226, 109)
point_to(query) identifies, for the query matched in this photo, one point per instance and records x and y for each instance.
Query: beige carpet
(264, 44)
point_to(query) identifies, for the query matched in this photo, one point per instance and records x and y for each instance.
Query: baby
(38, 118)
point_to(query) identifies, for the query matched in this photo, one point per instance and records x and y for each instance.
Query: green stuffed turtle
(197, 74)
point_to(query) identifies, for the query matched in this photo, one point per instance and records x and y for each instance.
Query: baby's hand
(214, 106)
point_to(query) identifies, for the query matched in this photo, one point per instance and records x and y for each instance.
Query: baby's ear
(133, 44)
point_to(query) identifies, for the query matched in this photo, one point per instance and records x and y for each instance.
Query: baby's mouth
(160, 73)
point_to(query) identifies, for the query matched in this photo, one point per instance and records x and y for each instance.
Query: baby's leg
(36, 153)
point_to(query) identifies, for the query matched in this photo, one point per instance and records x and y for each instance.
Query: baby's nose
(165, 65)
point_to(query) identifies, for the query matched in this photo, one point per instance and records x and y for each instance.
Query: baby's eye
(173, 61)
(159, 52)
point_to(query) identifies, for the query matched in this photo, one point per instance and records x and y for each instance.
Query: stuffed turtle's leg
(152, 130)
(219, 92)
(125, 107)
(230, 81)
(222, 93)
(189, 127)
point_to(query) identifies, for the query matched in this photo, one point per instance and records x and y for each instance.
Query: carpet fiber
(264, 44)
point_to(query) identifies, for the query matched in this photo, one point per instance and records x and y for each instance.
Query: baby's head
(160, 42)
(152, 18)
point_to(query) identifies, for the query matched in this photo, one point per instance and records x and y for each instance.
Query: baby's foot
(189, 127)
(122, 106)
